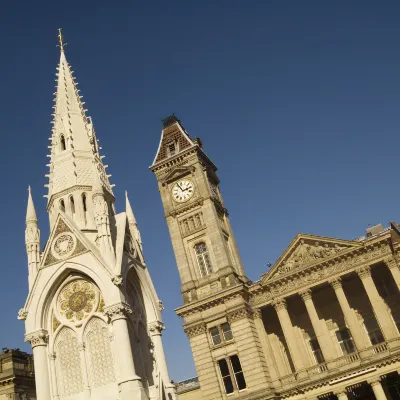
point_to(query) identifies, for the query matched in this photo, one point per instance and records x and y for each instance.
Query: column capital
(340, 392)
(257, 313)
(37, 338)
(392, 262)
(336, 283)
(156, 327)
(364, 272)
(279, 304)
(306, 294)
(376, 381)
(117, 311)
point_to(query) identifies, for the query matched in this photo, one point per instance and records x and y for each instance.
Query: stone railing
(378, 351)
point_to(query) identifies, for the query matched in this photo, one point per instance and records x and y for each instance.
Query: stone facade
(17, 381)
(92, 315)
(322, 323)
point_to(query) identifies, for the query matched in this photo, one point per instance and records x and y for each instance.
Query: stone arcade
(92, 315)
(322, 323)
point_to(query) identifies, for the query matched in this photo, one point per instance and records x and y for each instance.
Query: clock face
(183, 190)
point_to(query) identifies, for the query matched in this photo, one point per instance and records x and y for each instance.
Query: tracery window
(203, 259)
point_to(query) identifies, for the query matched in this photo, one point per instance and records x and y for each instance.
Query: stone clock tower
(205, 249)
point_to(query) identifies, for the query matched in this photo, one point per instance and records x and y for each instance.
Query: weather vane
(60, 39)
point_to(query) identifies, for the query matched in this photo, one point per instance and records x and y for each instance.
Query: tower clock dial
(183, 190)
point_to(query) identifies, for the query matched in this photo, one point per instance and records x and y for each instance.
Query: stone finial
(31, 216)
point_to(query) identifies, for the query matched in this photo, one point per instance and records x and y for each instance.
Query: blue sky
(297, 102)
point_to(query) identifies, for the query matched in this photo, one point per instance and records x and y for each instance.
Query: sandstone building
(322, 323)
(92, 315)
(17, 380)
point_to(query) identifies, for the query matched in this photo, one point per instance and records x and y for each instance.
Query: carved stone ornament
(156, 327)
(336, 283)
(195, 330)
(279, 304)
(364, 272)
(320, 272)
(117, 311)
(117, 280)
(22, 314)
(306, 295)
(37, 338)
(308, 253)
(63, 245)
(239, 314)
(160, 305)
(77, 300)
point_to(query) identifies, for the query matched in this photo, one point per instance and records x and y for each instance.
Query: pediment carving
(177, 173)
(307, 250)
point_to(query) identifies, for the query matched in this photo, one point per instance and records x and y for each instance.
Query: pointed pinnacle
(30, 210)
(129, 211)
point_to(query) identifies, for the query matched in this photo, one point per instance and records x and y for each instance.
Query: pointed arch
(68, 363)
(99, 354)
(62, 205)
(72, 205)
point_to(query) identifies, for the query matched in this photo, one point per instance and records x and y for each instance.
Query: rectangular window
(226, 376)
(232, 374)
(221, 333)
(227, 332)
(316, 350)
(171, 147)
(374, 332)
(345, 341)
(215, 336)
(237, 370)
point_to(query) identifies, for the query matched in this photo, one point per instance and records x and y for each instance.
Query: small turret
(133, 226)
(102, 219)
(32, 240)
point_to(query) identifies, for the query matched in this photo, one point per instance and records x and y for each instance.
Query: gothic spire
(74, 145)
(30, 210)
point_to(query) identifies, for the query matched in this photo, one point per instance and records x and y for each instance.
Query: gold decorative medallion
(77, 300)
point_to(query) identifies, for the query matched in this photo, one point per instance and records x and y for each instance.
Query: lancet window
(62, 143)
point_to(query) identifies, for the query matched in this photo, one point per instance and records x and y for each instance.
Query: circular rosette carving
(63, 245)
(77, 300)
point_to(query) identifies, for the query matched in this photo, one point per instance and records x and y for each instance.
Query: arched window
(62, 143)
(84, 202)
(72, 205)
(62, 205)
(203, 259)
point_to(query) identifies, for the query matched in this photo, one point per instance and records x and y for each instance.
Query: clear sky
(297, 102)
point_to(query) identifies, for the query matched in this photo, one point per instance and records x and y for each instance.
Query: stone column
(130, 385)
(393, 266)
(288, 331)
(324, 342)
(85, 378)
(52, 358)
(382, 314)
(378, 389)
(155, 331)
(341, 394)
(350, 318)
(38, 341)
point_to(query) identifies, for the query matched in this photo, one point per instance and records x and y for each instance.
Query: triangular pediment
(306, 250)
(177, 172)
(64, 242)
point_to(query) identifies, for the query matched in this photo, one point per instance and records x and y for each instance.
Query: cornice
(211, 301)
(197, 203)
(320, 272)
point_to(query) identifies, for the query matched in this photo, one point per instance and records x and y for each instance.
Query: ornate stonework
(77, 300)
(38, 338)
(195, 330)
(117, 311)
(63, 245)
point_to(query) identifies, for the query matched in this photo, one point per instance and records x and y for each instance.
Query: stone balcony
(346, 364)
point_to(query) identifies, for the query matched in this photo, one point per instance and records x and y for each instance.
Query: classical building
(92, 315)
(322, 323)
(17, 381)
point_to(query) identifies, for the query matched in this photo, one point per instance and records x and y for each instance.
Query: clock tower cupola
(205, 249)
